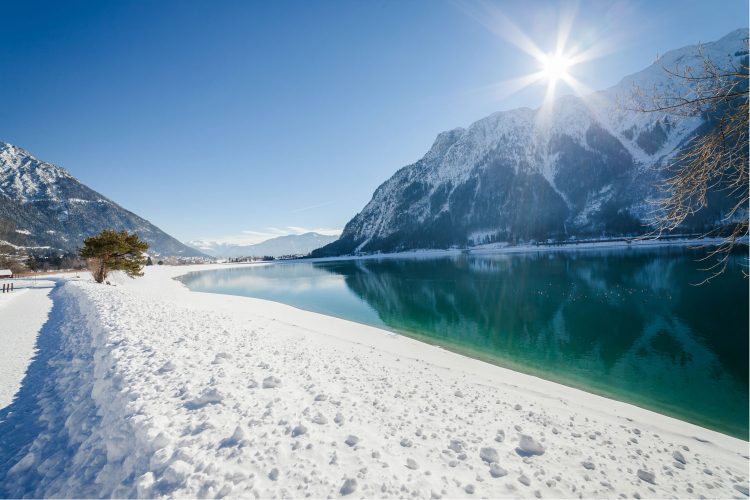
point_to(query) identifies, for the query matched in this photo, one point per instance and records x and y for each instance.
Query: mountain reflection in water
(628, 324)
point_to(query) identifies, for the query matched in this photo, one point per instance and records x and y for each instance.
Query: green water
(628, 324)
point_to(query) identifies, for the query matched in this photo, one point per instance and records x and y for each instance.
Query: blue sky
(240, 120)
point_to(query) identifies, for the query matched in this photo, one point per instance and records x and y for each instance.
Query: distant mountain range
(586, 167)
(293, 244)
(43, 206)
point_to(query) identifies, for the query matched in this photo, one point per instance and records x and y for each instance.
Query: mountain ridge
(582, 166)
(43, 206)
(289, 244)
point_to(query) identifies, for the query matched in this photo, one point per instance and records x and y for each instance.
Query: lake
(629, 324)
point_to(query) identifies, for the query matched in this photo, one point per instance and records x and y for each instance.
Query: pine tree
(114, 251)
(31, 263)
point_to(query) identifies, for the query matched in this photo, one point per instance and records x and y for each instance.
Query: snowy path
(150, 390)
(22, 314)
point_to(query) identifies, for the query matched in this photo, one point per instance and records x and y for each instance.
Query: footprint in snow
(349, 486)
(167, 367)
(351, 440)
(489, 455)
(299, 431)
(496, 471)
(646, 476)
(235, 438)
(457, 445)
(320, 419)
(209, 396)
(528, 446)
(271, 382)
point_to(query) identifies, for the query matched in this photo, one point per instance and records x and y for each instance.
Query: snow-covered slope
(291, 244)
(585, 166)
(41, 204)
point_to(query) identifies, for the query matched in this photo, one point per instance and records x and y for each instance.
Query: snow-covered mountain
(292, 244)
(42, 205)
(585, 166)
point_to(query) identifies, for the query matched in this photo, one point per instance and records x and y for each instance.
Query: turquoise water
(628, 324)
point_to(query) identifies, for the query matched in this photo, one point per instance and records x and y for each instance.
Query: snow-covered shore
(147, 389)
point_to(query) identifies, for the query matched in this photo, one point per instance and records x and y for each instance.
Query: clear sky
(240, 119)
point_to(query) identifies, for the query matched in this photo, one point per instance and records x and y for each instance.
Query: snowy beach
(147, 389)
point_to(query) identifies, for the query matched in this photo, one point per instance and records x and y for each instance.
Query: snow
(147, 389)
(593, 203)
(482, 236)
(25, 178)
(21, 247)
(23, 313)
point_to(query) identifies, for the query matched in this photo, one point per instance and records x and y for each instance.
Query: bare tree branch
(716, 161)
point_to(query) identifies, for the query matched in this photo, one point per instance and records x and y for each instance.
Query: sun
(555, 66)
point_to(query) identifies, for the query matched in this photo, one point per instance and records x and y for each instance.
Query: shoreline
(466, 360)
(687, 414)
(499, 249)
(578, 383)
(160, 391)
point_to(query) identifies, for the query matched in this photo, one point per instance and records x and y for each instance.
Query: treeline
(266, 258)
(53, 260)
(41, 261)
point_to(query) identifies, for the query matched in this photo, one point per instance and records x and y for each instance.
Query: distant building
(6, 273)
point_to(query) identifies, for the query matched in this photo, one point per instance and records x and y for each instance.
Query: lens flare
(558, 65)
(555, 66)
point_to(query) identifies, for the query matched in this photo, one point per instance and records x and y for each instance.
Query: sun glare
(555, 66)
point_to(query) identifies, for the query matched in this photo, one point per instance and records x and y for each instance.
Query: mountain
(292, 244)
(42, 205)
(582, 167)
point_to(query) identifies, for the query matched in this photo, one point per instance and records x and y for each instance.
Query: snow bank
(156, 391)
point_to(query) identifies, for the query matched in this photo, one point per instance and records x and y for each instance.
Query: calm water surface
(628, 324)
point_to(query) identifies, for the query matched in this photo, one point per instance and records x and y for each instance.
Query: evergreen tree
(31, 263)
(114, 251)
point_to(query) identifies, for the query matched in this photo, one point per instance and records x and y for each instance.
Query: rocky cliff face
(581, 167)
(42, 205)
